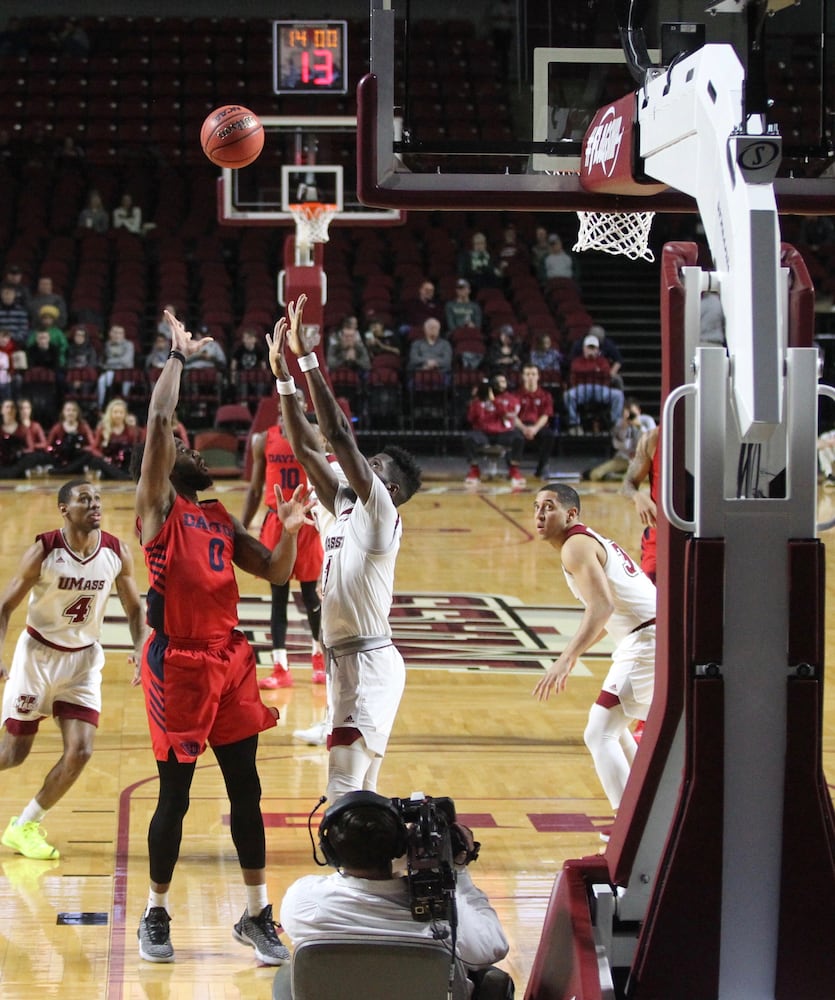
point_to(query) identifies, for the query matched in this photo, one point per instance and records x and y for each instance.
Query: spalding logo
(603, 143)
(759, 155)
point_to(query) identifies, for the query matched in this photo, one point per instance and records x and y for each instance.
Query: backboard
(305, 158)
(472, 138)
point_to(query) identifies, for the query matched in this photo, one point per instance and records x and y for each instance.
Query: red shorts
(648, 563)
(309, 554)
(206, 693)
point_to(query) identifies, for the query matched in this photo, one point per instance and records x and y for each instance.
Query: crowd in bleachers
(109, 217)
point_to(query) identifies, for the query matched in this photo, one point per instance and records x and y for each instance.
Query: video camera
(433, 842)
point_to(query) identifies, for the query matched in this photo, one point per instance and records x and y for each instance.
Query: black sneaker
(154, 936)
(260, 932)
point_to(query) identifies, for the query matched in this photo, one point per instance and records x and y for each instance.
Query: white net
(312, 220)
(624, 233)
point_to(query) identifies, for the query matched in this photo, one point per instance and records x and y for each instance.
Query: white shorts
(632, 674)
(364, 692)
(40, 676)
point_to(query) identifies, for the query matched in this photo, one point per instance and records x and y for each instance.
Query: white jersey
(358, 574)
(633, 593)
(322, 517)
(67, 604)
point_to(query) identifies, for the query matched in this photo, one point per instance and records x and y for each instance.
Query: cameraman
(364, 895)
(625, 436)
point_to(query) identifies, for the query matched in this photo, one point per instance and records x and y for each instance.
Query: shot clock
(310, 57)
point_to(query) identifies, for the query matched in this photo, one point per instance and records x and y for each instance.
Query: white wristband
(286, 387)
(308, 361)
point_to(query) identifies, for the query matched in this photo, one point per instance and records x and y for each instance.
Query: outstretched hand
(295, 512)
(275, 348)
(181, 339)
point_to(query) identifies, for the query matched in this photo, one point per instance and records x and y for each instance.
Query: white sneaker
(315, 736)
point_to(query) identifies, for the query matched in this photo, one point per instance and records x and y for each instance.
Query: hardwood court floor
(480, 607)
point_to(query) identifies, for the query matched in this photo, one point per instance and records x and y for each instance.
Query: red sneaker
(638, 731)
(318, 663)
(473, 476)
(279, 678)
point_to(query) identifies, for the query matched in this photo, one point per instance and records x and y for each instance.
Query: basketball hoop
(312, 219)
(624, 233)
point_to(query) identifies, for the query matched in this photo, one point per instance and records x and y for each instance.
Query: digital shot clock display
(310, 57)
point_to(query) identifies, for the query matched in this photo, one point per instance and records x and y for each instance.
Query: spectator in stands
(493, 423)
(48, 322)
(461, 311)
(6, 367)
(249, 355)
(35, 434)
(540, 248)
(477, 264)
(416, 311)
(118, 355)
(94, 215)
(14, 317)
(210, 355)
(431, 352)
(68, 149)
(379, 339)
(535, 418)
(80, 352)
(557, 263)
(505, 354)
(128, 216)
(116, 436)
(71, 446)
(45, 295)
(349, 351)
(608, 349)
(591, 383)
(13, 276)
(157, 357)
(16, 459)
(625, 436)
(544, 355)
(511, 251)
(42, 353)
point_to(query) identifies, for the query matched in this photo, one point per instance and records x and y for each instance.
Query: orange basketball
(232, 136)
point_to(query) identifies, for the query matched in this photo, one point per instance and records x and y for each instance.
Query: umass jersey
(67, 604)
(193, 593)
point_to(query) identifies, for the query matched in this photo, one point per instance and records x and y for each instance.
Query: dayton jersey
(282, 468)
(67, 604)
(193, 593)
(358, 577)
(633, 593)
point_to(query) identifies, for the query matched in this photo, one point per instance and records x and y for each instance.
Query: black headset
(353, 800)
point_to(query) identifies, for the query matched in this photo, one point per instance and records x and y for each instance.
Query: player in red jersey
(57, 664)
(645, 464)
(198, 670)
(276, 469)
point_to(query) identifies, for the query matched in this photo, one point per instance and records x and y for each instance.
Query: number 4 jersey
(67, 604)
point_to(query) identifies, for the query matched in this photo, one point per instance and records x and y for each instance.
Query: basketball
(232, 136)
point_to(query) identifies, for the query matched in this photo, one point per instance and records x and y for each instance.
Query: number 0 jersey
(633, 593)
(67, 604)
(193, 593)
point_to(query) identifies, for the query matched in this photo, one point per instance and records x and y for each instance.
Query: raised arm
(332, 421)
(304, 440)
(276, 565)
(154, 492)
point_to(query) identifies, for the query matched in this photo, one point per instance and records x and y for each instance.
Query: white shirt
(633, 593)
(67, 604)
(358, 574)
(318, 906)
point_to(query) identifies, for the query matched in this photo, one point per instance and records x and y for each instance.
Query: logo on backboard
(603, 142)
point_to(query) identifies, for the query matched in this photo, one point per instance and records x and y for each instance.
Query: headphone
(353, 800)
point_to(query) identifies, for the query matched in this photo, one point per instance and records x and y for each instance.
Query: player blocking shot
(366, 673)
